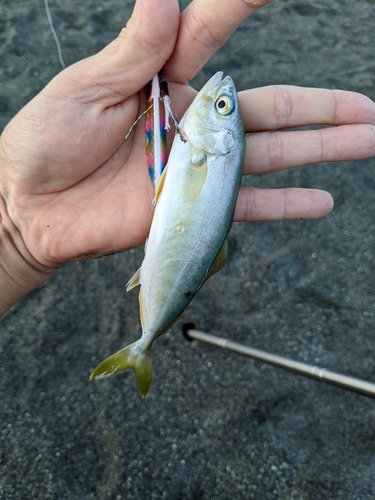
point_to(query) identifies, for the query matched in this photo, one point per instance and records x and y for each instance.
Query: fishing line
(137, 120)
(50, 22)
(169, 114)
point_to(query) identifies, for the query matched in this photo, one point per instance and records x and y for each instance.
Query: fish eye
(224, 105)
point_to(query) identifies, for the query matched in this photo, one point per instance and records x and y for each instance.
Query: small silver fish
(195, 201)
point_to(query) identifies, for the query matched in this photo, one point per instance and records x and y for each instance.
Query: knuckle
(283, 106)
(202, 32)
(275, 150)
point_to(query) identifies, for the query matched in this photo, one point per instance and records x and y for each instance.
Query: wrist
(20, 272)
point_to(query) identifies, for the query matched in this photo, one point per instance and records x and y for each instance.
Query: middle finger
(273, 151)
(285, 106)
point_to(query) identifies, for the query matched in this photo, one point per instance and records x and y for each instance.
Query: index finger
(279, 107)
(205, 26)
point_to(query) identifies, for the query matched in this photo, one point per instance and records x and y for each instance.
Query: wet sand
(216, 425)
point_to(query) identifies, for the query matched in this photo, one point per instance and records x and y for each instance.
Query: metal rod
(315, 372)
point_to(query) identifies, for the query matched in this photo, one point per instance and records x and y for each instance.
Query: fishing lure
(156, 127)
(158, 113)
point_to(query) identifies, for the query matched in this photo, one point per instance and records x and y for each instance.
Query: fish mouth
(215, 83)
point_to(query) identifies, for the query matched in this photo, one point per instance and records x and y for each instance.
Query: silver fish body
(195, 201)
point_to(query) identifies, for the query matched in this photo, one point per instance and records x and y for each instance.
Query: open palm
(78, 189)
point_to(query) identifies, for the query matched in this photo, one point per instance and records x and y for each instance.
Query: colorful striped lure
(158, 112)
(157, 123)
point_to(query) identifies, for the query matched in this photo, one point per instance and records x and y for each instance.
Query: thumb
(128, 63)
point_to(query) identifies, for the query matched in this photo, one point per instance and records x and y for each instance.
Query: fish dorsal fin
(219, 262)
(134, 281)
(160, 185)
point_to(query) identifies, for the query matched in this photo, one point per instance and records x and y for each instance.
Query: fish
(194, 205)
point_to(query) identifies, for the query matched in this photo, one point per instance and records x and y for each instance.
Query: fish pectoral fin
(134, 281)
(131, 357)
(160, 185)
(219, 262)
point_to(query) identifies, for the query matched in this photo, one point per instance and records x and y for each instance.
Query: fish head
(213, 123)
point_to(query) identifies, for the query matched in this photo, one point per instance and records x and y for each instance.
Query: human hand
(71, 186)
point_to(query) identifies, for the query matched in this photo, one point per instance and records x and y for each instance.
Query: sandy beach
(215, 425)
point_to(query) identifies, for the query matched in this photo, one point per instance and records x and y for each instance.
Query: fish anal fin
(219, 262)
(132, 357)
(134, 281)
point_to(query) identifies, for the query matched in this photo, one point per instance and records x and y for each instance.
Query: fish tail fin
(133, 357)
